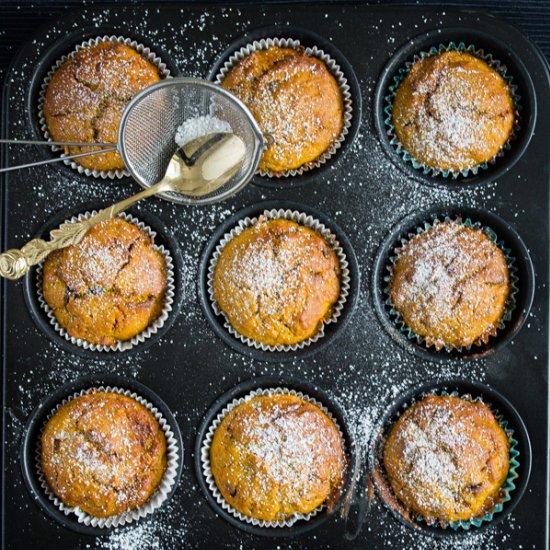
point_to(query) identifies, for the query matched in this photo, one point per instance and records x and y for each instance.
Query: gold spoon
(197, 168)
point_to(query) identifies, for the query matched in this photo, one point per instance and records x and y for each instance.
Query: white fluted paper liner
(207, 443)
(334, 69)
(157, 498)
(153, 328)
(307, 221)
(145, 52)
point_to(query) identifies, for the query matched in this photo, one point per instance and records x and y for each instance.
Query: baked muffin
(104, 453)
(450, 285)
(277, 282)
(109, 287)
(453, 111)
(446, 459)
(295, 98)
(276, 456)
(87, 94)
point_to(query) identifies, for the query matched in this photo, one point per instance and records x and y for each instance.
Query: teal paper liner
(510, 303)
(509, 484)
(403, 71)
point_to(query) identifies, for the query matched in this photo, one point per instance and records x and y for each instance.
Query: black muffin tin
(365, 192)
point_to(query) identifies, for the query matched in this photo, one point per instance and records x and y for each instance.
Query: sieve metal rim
(244, 180)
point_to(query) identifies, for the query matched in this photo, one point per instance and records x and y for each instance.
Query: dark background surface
(365, 194)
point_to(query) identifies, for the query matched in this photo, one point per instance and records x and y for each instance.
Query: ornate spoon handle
(15, 263)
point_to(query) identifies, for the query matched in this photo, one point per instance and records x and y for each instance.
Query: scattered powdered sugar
(194, 128)
(149, 534)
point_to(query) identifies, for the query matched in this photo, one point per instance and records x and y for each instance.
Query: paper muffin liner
(510, 302)
(402, 73)
(334, 69)
(162, 492)
(153, 328)
(504, 492)
(207, 443)
(145, 52)
(307, 221)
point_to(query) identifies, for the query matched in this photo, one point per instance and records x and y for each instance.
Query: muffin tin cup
(519, 266)
(404, 71)
(344, 77)
(305, 220)
(145, 52)
(497, 55)
(205, 456)
(74, 518)
(240, 394)
(512, 270)
(158, 497)
(163, 239)
(151, 330)
(519, 451)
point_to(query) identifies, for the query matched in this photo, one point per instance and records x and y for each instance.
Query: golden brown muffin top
(98, 285)
(276, 456)
(87, 94)
(241, 79)
(277, 282)
(294, 97)
(453, 111)
(104, 453)
(450, 284)
(447, 458)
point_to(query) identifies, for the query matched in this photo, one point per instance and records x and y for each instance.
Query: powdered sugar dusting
(453, 111)
(450, 283)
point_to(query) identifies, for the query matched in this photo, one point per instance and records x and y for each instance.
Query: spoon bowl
(205, 164)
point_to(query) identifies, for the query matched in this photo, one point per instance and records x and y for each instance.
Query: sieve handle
(60, 143)
(15, 263)
(58, 159)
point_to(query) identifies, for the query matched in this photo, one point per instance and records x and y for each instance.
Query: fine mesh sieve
(146, 139)
(146, 135)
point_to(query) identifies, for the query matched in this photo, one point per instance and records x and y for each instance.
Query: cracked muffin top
(450, 285)
(104, 453)
(109, 287)
(87, 94)
(453, 111)
(276, 456)
(277, 282)
(295, 98)
(446, 459)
